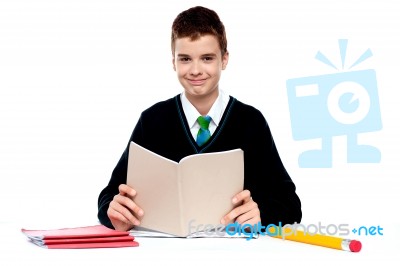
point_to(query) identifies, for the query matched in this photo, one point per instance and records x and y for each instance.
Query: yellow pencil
(319, 240)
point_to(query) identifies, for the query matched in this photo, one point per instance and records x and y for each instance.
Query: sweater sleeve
(268, 181)
(118, 177)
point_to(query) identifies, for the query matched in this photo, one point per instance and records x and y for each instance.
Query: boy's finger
(129, 204)
(122, 214)
(126, 190)
(243, 195)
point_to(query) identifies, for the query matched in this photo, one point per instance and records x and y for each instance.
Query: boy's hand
(123, 211)
(246, 213)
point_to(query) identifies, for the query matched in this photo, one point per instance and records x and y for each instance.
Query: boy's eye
(208, 58)
(184, 59)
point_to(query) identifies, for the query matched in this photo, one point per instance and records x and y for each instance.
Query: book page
(155, 180)
(208, 182)
(143, 232)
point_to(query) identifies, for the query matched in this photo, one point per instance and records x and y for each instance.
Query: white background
(75, 75)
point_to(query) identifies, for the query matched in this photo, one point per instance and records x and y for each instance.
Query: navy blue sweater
(163, 129)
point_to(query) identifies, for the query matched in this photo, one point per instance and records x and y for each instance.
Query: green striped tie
(204, 134)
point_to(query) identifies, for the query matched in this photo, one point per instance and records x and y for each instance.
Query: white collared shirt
(216, 112)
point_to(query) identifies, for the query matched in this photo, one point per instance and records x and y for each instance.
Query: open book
(182, 198)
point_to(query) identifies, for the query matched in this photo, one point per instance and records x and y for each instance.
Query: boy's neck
(203, 103)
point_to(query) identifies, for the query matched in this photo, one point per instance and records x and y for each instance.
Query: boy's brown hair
(196, 22)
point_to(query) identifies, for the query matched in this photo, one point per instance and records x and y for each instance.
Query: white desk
(15, 249)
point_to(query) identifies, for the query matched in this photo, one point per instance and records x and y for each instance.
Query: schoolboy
(170, 128)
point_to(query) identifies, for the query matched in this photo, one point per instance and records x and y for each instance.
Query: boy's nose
(195, 69)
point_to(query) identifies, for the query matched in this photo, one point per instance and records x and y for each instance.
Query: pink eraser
(355, 246)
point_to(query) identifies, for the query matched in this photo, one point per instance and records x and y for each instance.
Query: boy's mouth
(197, 82)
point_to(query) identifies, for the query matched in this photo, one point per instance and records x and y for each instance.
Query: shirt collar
(216, 111)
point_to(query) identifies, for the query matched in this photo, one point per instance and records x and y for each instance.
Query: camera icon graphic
(325, 106)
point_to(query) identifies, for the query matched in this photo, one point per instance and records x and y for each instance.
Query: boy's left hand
(246, 213)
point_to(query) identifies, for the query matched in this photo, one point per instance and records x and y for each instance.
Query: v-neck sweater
(163, 129)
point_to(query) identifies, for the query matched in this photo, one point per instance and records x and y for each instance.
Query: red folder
(93, 245)
(97, 236)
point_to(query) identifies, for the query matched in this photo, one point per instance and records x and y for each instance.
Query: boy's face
(199, 65)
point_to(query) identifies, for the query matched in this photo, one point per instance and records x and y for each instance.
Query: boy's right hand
(123, 211)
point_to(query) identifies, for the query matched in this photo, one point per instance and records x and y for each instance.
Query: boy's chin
(200, 92)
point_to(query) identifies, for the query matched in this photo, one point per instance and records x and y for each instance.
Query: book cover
(97, 236)
(77, 232)
(114, 244)
(199, 188)
(45, 242)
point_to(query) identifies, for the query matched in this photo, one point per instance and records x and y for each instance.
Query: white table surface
(15, 249)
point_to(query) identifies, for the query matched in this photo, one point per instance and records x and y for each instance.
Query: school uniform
(168, 128)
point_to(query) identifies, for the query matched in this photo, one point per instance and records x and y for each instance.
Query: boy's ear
(173, 63)
(225, 59)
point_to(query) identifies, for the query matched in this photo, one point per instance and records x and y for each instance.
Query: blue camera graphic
(344, 103)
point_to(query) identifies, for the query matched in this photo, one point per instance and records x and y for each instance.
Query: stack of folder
(97, 236)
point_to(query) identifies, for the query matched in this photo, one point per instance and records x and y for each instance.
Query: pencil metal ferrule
(346, 244)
